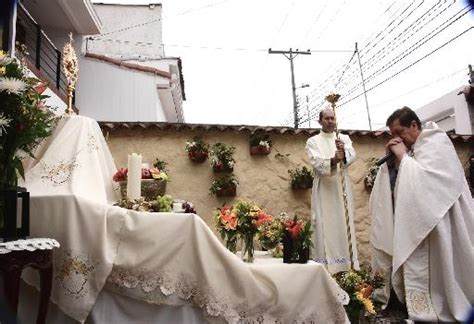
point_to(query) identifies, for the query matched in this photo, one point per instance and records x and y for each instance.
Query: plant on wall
(301, 178)
(371, 174)
(222, 157)
(225, 186)
(197, 149)
(260, 143)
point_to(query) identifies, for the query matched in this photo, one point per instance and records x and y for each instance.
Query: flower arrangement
(222, 159)
(225, 186)
(159, 204)
(24, 119)
(150, 189)
(296, 240)
(226, 224)
(301, 178)
(260, 143)
(372, 170)
(271, 233)
(359, 285)
(197, 150)
(243, 219)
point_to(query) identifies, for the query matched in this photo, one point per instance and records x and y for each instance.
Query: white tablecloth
(158, 258)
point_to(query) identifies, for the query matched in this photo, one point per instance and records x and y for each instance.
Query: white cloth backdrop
(160, 258)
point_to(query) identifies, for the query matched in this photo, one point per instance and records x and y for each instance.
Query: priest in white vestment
(327, 153)
(423, 229)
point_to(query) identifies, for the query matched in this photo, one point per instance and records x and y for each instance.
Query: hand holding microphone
(395, 149)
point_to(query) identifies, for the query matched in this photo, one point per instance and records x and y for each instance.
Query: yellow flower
(369, 307)
(2, 70)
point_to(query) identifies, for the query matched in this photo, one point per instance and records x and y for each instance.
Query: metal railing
(42, 53)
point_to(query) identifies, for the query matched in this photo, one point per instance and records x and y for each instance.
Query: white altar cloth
(158, 258)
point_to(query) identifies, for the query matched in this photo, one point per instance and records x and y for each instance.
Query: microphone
(384, 159)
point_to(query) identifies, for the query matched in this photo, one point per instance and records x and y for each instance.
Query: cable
(409, 66)
(159, 19)
(407, 52)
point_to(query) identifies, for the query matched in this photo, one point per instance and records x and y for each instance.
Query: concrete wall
(263, 179)
(145, 41)
(106, 92)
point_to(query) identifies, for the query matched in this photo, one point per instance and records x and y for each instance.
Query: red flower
(121, 175)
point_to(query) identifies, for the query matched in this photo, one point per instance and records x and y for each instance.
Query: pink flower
(146, 174)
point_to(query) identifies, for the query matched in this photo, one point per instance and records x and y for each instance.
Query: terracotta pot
(150, 188)
(259, 150)
(230, 191)
(198, 157)
(302, 186)
(219, 168)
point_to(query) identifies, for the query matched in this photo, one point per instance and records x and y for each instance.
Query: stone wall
(262, 179)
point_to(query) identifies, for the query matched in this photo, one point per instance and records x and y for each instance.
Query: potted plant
(153, 182)
(301, 178)
(197, 150)
(296, 240)
(359, 285)
(24, 122)
(225, 186)
(260, 143)
(222, 157)
(372, 170)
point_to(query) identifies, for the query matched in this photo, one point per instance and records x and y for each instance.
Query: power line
(407, 52)
(409, 66)
(159, 19)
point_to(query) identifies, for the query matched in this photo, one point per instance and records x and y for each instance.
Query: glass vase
(248, 249)
(8, 176)
(231, 244)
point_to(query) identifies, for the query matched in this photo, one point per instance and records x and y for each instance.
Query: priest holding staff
(332, 213)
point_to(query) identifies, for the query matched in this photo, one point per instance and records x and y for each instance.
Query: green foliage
(223, 154)
(259, 136)
(24, 120)
(197, 145)
(301, 178)
(161, 165)
(223, 182)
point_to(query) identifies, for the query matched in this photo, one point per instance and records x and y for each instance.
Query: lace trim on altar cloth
(73, 271)
(216, 307)
(28, 245)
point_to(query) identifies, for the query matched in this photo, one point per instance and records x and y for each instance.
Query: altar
(118, 265)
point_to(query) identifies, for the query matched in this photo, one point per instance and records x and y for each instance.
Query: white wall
(106, 92)
(450, 111)
(145, 40)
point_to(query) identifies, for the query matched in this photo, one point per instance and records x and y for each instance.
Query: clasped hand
(397, 147)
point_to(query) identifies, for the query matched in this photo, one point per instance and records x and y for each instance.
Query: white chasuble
(427, 244)
(331, 244)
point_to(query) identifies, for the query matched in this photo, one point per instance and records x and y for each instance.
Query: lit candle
(134, 176)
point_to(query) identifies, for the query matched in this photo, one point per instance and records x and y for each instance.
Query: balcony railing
(43, 56)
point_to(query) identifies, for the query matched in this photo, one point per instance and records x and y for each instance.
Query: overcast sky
(231, 79)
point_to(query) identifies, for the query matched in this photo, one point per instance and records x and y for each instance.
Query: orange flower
(262, 218)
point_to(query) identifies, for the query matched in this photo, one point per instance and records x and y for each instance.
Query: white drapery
(161, 258)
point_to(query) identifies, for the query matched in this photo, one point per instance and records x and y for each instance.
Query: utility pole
(363, 86)
(290, 55)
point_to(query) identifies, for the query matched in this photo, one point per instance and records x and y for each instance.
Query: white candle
(134, 178)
